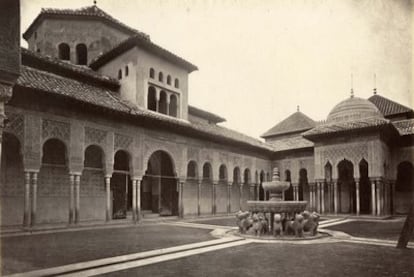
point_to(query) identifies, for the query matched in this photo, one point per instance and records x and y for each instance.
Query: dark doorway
(303, 181)
(261, 190)
(121, 186)
(346, 187)
(289, 191)
(364, 188)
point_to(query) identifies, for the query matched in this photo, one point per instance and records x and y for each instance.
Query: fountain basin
(289, 207)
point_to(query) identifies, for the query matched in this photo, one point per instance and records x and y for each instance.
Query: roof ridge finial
(375, 84)
(352, 85)
(297, 108)
(94, 2)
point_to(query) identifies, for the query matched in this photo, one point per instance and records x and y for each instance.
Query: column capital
(137, 178)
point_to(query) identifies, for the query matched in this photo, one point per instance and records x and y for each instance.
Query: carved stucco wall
(294, 165)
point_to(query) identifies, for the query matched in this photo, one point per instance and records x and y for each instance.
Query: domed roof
(353, 108)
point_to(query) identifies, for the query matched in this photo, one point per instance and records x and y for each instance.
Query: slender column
(108, 197)
(138, 210)
(77, 198)
(336, 197)
(157, 99)
(322, 197)
(71, 198)
(134, 200)
(198, 197)
(393, 198)
(318, 196)
(241, 195)
(373, 202)
(229, 198)
(168, 104)
(378, 194)
(310, 196)
(26, 215)
(213, 204)
(357, 197)
(386, 198)
(180, 198)
(34, 199)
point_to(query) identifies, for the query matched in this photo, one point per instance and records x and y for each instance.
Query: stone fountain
(289, 210)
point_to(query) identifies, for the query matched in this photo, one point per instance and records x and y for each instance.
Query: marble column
(229, 198)
(318, 196)
(108, 198)
(322, 197)
(138, 199)
(373, 202)
(357, 197)
(134, 200)
(336, 197)
(198, 197)
(392, 198)
(71, 198)
(241, 195)
(26, 215)
(180, 198)
(213, 198)
(378, 197)
(77, 198)
(34, 199)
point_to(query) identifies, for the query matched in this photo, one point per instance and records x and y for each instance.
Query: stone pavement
(134, 247)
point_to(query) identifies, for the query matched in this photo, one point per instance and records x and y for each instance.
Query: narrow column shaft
(336, 197)
(373, 202)
(318, 197)
(108, 198)
(213, 199)
(198, 197)
(138, 200)
(378, 195)
(392, 198)
(134, 200)
(310, 197)
(322, 197)
(71, 198)
(357, 197)
(77, 198)
(34, 199)
(180, 199)
(228, 198)
(241, 195)
(26, 215)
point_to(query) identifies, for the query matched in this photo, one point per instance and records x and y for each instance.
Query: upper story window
(64, 51)
(126, 71)
(168, 80)
(81, 54)
(176, 83)
(119, 74)
(160, 77)
(152, 73)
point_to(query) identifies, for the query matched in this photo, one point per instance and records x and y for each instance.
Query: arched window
(247, 176)
(160, 77)
(126, 71)
(222, 172)
(121, 160)
(173, 105)
(64, 52)
(81, 54)
(152, 73)
(120, 74)
(168, 80)
(207, 171)
(54, 152)
(162, 108)
(93, 157)
(192, 169)
(176, 83)
(236, 175)
(152, 100)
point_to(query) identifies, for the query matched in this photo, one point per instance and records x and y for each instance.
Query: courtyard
(199, 247)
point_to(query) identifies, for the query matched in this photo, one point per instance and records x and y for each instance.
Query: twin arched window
(161, 78)
(81, 53)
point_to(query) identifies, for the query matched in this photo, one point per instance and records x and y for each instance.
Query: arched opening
(53, 183)
(207, 172)
(12, 181)
(404, 187)
(121, 186)
(152, 73)
(81, 54)
(176, 83)
(168, 80)
(92, 187)
(364, 188)
(223, 173)
(236, 175)
(303, 183)
(160, 77)
(120, 74)
(346, 187)
(159, 191)
(162, 108)
(64, 51)
(328, 188)
(126, 70)
(192, 170)
(152, 99)
(261, 190)
(289, 191)
(173, 105)
(246, 176)
(235, 190)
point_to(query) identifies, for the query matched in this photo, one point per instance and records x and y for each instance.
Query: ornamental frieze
(352, 152)
(55, 129)
(93, 135)
(15, 125)
(122, 141)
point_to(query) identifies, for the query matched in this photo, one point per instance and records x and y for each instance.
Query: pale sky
(258, 60)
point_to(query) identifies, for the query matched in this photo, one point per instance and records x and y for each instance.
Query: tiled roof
(146, 45)
(89, 12)
(294, 123)
(405, 127)
(205, 114)
(346, 126)
(387, 106)
(67, 69)
(291, 143)
(102, 97)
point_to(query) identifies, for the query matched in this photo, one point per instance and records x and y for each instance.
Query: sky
(259, 60)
